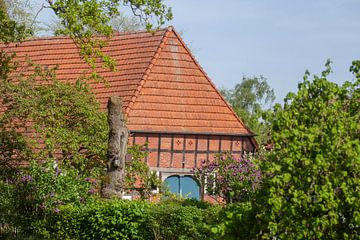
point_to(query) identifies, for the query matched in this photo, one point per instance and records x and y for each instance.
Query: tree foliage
(63, 115)
(139, 177)
(53, 138)
(45, 118)
(313, 187)
(120, 23)
(10, 30)
(251, 99)
(84, 19)
(52, 135)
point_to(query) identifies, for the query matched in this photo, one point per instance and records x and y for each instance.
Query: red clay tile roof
(162, 86)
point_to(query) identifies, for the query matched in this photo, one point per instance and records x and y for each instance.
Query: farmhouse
(169, 101)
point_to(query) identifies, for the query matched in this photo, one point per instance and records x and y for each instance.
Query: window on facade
(185, 186)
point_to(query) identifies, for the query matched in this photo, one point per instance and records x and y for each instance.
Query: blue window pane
(185, 186)
(173, 183)
(189, 187)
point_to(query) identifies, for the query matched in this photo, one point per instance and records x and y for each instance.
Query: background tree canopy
(251, 99)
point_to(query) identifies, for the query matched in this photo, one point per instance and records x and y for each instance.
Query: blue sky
(278, 39)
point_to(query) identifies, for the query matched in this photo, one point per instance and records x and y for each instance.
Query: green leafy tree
(120, 23)
(75, 134)
(45, 122)
(53, 140)
(251, 99)
(313, 186)
(52, 120)
(83, 20)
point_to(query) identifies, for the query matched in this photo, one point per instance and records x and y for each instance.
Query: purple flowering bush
(39, 191)
(232, 179)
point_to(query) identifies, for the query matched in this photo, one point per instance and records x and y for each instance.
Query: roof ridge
(211, 83)
(148, 69)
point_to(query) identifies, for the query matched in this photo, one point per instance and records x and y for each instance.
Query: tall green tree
(251, 99)
(81, 20)
(53, 137)
(84, 19)
(57, 124)
(313, 186)
(64, 116)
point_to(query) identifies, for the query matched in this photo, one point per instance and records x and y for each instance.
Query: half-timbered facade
(169, 101)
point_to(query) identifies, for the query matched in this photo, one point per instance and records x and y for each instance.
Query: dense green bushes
(121, 219)
(99, 220)
(28, 198)
(168, 220)
(236, 221)
(180, 220)
(118, 219)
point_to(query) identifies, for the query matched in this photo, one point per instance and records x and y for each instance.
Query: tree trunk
(117, 149)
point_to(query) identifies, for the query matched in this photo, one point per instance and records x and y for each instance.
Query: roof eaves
(148, 70)
(211, 83)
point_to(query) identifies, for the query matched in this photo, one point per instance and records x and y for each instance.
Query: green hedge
(99, 220)
(117, 219)
(180, 220)
(121, 219)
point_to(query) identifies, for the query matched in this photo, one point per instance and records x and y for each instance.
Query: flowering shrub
(230, 178)
(68, 135)
(39, 191)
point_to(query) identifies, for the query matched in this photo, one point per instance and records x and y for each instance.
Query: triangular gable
(177, 96)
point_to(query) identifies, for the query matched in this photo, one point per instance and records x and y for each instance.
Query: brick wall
(186, 151)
